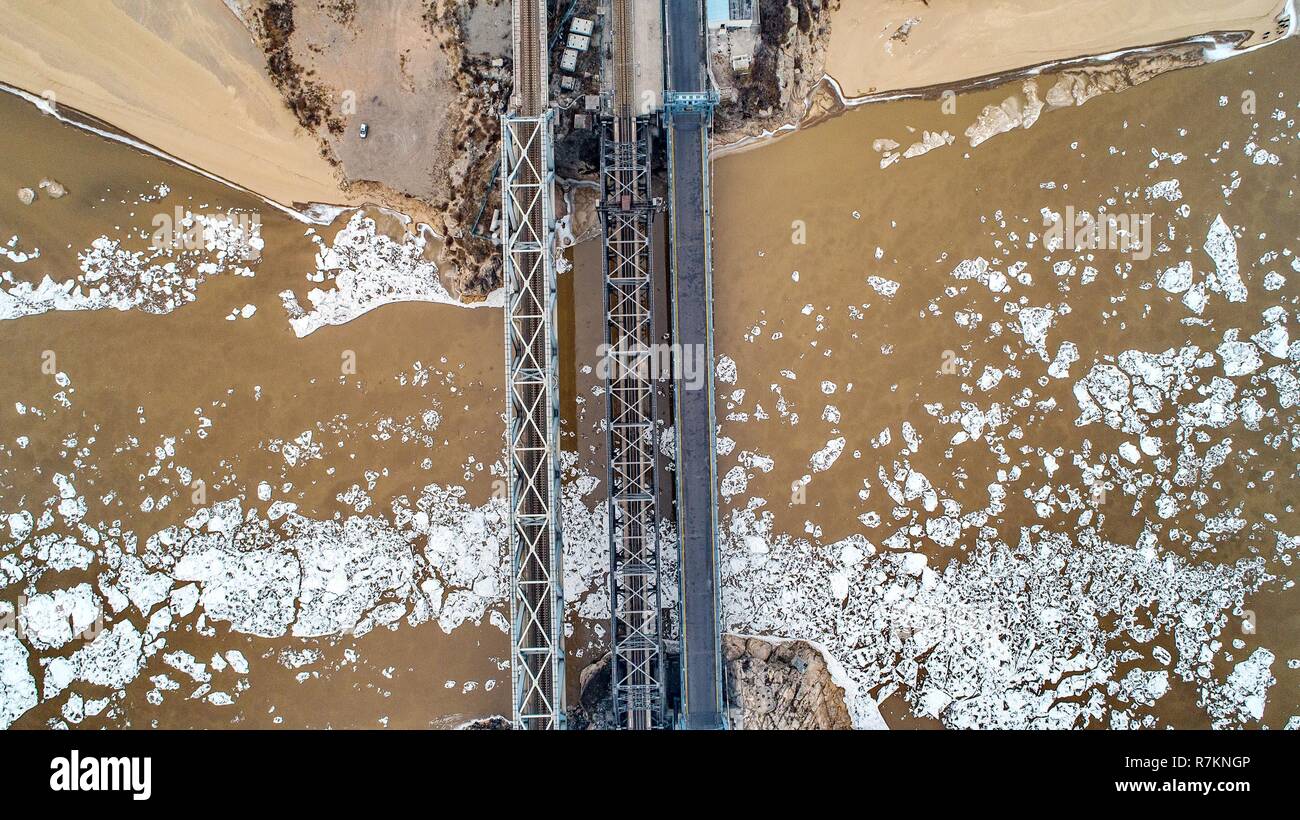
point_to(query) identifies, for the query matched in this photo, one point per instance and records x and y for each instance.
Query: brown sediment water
(221, 397)
(852, 360)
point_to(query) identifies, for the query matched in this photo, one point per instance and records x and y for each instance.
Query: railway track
(622, 21)
(532, 408)
(627, 218)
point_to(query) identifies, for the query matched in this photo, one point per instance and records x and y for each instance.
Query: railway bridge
(640, 679)
(627, 212)
(532, 383)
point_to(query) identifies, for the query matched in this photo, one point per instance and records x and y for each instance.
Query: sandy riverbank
(888, 45)
(184, 77)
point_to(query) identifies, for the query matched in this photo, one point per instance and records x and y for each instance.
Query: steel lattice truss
(627, 214)
(532, 424)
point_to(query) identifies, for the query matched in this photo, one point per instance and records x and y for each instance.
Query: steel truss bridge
(627, 213)
(532, 383)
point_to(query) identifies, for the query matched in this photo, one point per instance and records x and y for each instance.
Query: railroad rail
(627, 213)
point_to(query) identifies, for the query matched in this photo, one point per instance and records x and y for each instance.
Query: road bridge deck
(692, 316)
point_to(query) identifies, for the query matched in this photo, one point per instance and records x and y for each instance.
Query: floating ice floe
(1239, 358)
(1242, 697)
(885, 287)
(17, 686)
(1034, 323)
(370, 270)
(159, 280)
(1013, 112)
(823, 459)
(1167, 190)
(1009, 636)
(979, 270)
(274, 575)
(726, 370)
(1221, 246)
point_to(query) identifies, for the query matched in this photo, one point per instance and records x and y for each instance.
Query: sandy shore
(183, 77)
(888, 45)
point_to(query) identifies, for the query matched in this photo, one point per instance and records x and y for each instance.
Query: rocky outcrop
(786, 69)
(470, 261)
(782, 685)
(595, 707)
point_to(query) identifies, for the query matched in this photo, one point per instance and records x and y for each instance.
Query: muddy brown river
(901, 396)
(221, 396)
